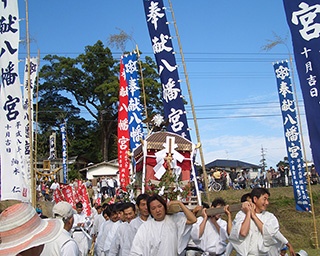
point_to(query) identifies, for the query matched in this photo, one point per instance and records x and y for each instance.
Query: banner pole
(33, 180)
(36, 123)
(192, 105)
(304, 153)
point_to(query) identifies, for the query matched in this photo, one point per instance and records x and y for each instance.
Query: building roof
(113, 163)
(226, 163)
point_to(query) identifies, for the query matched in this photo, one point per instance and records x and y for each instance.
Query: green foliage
(87, 82)
(73, 173)
(169, 186)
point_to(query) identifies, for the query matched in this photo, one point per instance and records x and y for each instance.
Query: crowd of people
(268, 178)
(146, 228)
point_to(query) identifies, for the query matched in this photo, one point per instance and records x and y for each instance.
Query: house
(94, 171)
(227, 165)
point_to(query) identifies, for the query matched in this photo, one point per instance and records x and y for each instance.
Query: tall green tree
(89, 81)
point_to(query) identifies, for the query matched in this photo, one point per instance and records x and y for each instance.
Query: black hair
(258, 192)
(119, 207)
(142, 197)
(218, 201)
(159, 198)
(244, 197)
(110, 210)
(79, 205)
(205, 205)
(128, 205)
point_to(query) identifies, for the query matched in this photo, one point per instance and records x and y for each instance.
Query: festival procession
(60, 194)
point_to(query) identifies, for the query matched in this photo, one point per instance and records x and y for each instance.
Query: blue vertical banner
(292, 135)
(162, 47)
(64, 152)
(303, 18)
(134, 105)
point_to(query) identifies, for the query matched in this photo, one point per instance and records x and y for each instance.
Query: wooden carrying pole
(192, 105)
(210, 211)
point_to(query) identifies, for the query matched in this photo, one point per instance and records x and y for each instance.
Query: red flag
(68, 194)
(98, 200)
(57, 196)
(123, 131)
(84, 198)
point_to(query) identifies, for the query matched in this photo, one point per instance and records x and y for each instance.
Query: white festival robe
(122, 241)
(255, 243)
(110, 235)
(157, 238)
(102, 235)
(79, 236)
(211, 240)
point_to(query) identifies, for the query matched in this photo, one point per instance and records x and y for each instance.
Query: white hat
(21, 228)
(302, 253)
(63, 209)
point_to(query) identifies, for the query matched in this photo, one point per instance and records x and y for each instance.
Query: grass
(297, 227)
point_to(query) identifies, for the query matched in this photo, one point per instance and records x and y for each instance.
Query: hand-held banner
(162, 47)
(292, 136)
(303, 18)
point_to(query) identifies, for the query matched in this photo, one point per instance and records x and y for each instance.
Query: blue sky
(232, 82)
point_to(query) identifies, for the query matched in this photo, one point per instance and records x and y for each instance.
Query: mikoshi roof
(156, 140)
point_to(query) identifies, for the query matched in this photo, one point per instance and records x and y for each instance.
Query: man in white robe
(80, 230)
(122, 241)
(255, 231)
(163, 234)
(143, 216)
(210, 233)
(105, 229)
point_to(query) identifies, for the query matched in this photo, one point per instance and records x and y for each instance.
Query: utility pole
(263, 159)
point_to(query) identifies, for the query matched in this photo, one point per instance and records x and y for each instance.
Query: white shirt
(54, 186)
(81, 218)
(157, 238)
(64, 245)
(255, 243)
(211, 240)
(110, 183)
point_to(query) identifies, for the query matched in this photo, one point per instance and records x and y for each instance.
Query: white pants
(82, 241)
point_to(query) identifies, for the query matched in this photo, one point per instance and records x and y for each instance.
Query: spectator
(233, 176)
(55, 185)
(23, 232)
(91, 194)
(64, 245)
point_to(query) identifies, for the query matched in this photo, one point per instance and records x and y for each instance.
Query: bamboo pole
(316, 244)
(36, 110)
(33, 176)
(143, 88)
(191, 103)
